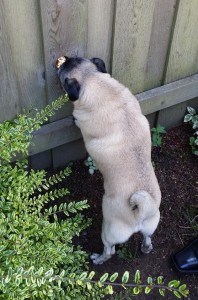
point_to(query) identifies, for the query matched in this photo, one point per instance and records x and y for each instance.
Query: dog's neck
(98, 89)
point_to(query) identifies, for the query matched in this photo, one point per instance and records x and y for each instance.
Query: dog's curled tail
(143, 205)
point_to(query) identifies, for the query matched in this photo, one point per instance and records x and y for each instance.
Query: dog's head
(74, 71)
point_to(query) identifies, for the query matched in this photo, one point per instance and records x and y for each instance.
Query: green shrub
(38, 259)
(156, 135)
(192, 118)
(33, 241)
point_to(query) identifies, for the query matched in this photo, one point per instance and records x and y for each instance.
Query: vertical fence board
(159, 43)
(73, 27)
(100, 19)
(21, 58)
(65, 33)
(183, 57)
(142, 33)
(133, 24)
(22, 61)
(9, 98)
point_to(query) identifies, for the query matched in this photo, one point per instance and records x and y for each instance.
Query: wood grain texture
(53, 135)
(142, 33)
(133, 26)
(9, 98)
(21, 59)
(64, 33)
(183, 56)
(169, 94)
(159, 43)
(99, 33)
(174, 115)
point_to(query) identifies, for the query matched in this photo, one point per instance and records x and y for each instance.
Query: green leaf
(160, 280)
(153, 129)
(160, 129)
(83, 276)
(191, 110)
(191, 140)
(104, 277)
(49, 273)
(137, 277)
(182, 287)
(162, 292)
(150, 280)
(187, 118)
(177, 294)
(113, 277)
(174, 283)
(91, 275)
(195, 125)
(136, 290)
(91, 171)
(40, 271)
(109, 290)
(125, 277)
(185, 293)
(147, 290)
(89, 286)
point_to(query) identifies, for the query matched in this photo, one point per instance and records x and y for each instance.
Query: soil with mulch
(177, 172)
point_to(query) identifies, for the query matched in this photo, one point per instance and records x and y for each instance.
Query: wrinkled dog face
(73, 71)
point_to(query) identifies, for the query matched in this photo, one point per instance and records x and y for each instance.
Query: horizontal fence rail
(64, 131)
(168, 95)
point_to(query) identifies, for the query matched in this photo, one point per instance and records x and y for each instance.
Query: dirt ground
(177, 172)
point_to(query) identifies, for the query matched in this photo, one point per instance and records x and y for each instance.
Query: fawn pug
(117, 136)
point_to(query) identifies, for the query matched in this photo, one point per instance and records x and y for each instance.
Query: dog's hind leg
(109, 246)
(98, 259)
(149, 226)
(146, 246)
(112, 233)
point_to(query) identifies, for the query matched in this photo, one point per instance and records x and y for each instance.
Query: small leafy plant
(33, 240)
(192, 118)
(134, 289)
(156, 136)
(90, 163)
(124, 252)
(192, 218)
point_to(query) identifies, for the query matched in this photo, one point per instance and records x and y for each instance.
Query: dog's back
(117, 136)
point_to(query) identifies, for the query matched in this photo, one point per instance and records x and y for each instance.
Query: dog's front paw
(76, 123)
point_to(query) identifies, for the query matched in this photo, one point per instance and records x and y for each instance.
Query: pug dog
(117, 137)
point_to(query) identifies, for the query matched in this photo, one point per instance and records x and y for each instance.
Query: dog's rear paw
(97, 259)
(146, 249)
(94, 256)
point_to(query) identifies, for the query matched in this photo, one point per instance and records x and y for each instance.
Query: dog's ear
(72, 87)
(99, 63)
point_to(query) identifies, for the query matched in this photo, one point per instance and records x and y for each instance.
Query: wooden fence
(151, 46)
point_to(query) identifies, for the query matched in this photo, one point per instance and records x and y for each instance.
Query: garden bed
(177, 172)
